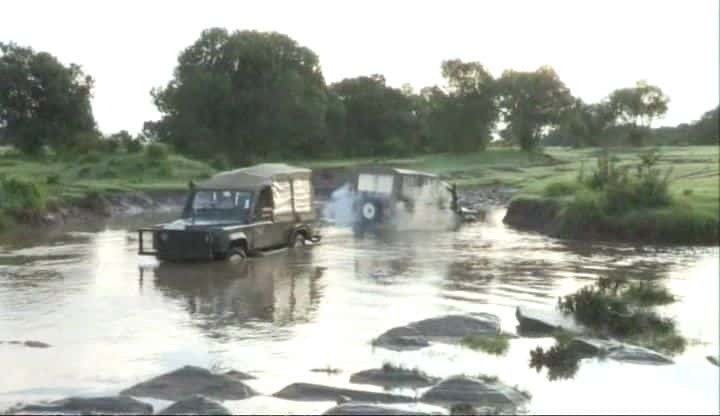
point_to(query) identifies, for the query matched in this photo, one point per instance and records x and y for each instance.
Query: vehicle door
(283, 213)
(262, 220)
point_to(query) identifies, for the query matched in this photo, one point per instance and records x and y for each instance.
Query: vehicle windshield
(221, 205)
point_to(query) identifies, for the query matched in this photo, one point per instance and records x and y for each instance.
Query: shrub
(21, 195)
(91, 157)
(157, 152)
(133, 145)
(220, 162)
(52, 179)
(556, 189)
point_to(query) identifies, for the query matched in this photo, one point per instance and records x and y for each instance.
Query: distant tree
(245, 94)
(42, 101)
(637, 107)
(531, 102)
(468, 112)
(705, 130)
(585, 123)
(379, 119)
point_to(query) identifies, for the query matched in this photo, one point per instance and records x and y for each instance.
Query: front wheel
(297, 239)
(238, 252)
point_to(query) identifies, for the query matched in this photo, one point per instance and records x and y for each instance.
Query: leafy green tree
(705, 130)
(468, 112)
(532, 102)
(637, 107)
(246, 94)
(42, 101)
(379, 119)
(585, 123)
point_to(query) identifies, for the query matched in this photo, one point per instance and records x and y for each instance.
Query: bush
(157, 152)
(53, 179)
(91, 157)
(21, 195)
(557, 189)
(133, 145)
(220, 162)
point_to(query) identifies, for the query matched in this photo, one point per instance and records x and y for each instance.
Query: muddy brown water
(114, 318)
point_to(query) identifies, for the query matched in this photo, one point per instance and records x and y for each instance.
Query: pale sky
(594, 45)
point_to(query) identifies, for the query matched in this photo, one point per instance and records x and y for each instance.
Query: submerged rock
(196, 405)
(584, 347)
(315, 392)
(475, 392)
(239, 375)
(402, 338)
(189, 381)
(36, 344)
(713, 360)
(369, 409)
(542, 322)
(458, 326)
(85, 406)
(393, 377)
(451, 327)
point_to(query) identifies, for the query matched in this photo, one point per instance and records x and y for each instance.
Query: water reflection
(279, 289)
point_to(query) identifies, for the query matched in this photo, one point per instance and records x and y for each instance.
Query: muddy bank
(94, 207)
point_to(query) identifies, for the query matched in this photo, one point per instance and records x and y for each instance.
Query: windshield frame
(240, 211)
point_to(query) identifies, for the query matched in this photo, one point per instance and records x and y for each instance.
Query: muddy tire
(238, 252)
(297, 239)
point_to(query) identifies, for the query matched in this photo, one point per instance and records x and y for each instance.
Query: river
(114, 318)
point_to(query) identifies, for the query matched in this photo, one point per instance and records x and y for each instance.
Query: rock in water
(475, 392)
(190, 381)
(88, 406)
(543, 323)
(584, 347)
(196, 405)
(368, 409)
(458, 326)
(36, 344)
(638, 355)
(402, 338)
(393, 377)
(315, 392)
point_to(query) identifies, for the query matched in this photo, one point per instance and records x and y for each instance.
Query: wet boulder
(458, 326)
(358, 408)
(584, 347)
(189, 381)
(389, 376)
(713, 360)
(466, 409)
(196, 405)
(402, 338)
(315, 392)
(87, 406)
(638, 355)
(475, 392)
(239, 375)
(544, 322)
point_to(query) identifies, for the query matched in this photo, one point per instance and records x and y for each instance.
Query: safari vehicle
(383, 193)
(237, 213)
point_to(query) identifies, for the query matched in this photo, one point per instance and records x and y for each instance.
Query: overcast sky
(594, 45)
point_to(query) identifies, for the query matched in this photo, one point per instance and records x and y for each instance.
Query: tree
(585, 123)
(379, 119)
(245, 94)
(467, 113)
(637, 107)
(705, 130)
(42, 101)
(531, 102)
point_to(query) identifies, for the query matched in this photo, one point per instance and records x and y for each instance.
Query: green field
(694, 180)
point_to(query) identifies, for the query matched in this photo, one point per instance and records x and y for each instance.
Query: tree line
(237, 97)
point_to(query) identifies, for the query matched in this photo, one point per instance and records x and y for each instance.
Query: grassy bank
(32, 186)
(572, 209)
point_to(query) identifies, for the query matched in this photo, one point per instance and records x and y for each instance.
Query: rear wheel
(239, 252)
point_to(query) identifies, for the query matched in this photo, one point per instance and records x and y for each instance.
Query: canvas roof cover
(393, 170)
(254, 176)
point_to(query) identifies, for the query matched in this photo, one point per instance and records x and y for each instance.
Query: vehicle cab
(237, 213)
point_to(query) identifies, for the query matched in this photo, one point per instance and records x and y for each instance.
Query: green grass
(495, 345)
(56, 181)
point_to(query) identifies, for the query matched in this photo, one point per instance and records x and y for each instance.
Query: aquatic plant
(495, 345)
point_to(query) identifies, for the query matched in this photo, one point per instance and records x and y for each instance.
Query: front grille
(184, 245)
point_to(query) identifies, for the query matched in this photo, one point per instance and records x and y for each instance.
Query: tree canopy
(42, 101)
(530, 103)
(244, 94)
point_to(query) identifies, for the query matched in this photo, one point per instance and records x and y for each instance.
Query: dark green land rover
(238, 213)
